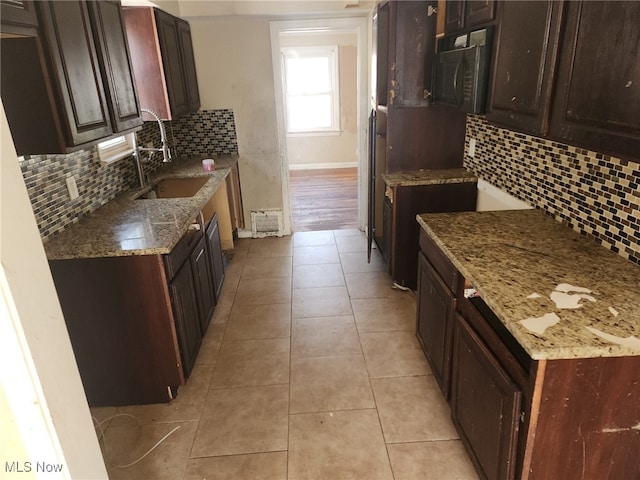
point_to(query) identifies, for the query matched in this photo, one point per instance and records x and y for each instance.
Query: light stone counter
(428, 177)
(528, 267)
(129, 226)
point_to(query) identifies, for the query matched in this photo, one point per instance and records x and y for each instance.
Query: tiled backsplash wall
(595, 194)
(209, 132)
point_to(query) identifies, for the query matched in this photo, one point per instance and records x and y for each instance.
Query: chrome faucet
(166, 153)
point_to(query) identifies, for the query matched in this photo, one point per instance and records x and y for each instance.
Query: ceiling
(262, 8)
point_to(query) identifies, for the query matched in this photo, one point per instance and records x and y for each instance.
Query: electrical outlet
(72, 187)
(472, 147)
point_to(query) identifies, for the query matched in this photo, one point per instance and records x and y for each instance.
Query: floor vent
(266, 223)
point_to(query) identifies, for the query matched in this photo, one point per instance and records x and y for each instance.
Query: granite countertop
(128, 226)
(428, 177)
(530, 270)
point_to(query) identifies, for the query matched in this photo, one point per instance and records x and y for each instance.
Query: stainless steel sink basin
(174, 188)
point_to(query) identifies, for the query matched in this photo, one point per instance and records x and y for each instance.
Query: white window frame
(331, 52)
(116, 148)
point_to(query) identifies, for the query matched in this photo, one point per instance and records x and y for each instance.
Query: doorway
(323, 166)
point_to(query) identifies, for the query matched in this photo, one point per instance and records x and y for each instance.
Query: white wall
(330, 151)
(43, 409)
(233, 62)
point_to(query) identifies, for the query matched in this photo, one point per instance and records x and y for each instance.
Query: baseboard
(322, 166)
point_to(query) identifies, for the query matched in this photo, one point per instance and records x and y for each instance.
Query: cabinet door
(454, 16)
(414, 53)
(597, 101)
(69, 38)
(185, 310)
(485, 405)
(18, 17)
(111, 39)
(215, 255)
(169, 39)
(524, 58)
(478, 12)
(436, 304)
(203, 281)
(189, 65)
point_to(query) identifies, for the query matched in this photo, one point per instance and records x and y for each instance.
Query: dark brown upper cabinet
(71, 86)
(597, 98)
(412, 46)
(117, 71)
(18, 17)
(162, 53)
(467, 14)
(524, 59)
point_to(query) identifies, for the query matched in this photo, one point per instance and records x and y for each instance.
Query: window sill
(323, 133)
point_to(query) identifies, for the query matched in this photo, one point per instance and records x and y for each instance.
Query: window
(310, 79)
(116, 148)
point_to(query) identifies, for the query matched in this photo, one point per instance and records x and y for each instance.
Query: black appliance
(461, 71)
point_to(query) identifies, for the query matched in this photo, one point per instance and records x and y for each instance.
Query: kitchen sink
(174, 188)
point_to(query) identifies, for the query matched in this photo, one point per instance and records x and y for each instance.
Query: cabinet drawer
(174, 260)
(441, 264)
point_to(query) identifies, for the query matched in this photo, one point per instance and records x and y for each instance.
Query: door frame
(360, 25)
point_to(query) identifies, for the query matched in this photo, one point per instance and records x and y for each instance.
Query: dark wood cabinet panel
(485, 405)
(409, 201)
(462, 15)
(413, 52)
(454, 16)
(163, 61)
(69, 39)
(215, 253)
(478, 12)
(381, 54)
(172, 62)
(524, 60)
(111, 40)
(188, 65)
(203, 281)
(436, 305)
(597, 98)
(185, 311)
(18, 17)
(72, 84)
(119, 318)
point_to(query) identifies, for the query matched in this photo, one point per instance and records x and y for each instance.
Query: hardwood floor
(324, 199)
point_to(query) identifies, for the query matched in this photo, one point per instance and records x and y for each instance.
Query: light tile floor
(310, 369)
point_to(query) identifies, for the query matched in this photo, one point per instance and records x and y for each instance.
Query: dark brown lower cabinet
(214, 248)
(402, 233)
(203, 280)
(518, 417)
(186, 316)
(122, 328)
(136, 323)
(485, 404)
(436, 305)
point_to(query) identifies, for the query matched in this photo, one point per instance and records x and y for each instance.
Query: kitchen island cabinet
(533, 398)
(73, 84)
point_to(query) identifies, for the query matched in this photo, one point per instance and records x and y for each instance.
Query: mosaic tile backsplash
(595, 194)
(208, 132)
